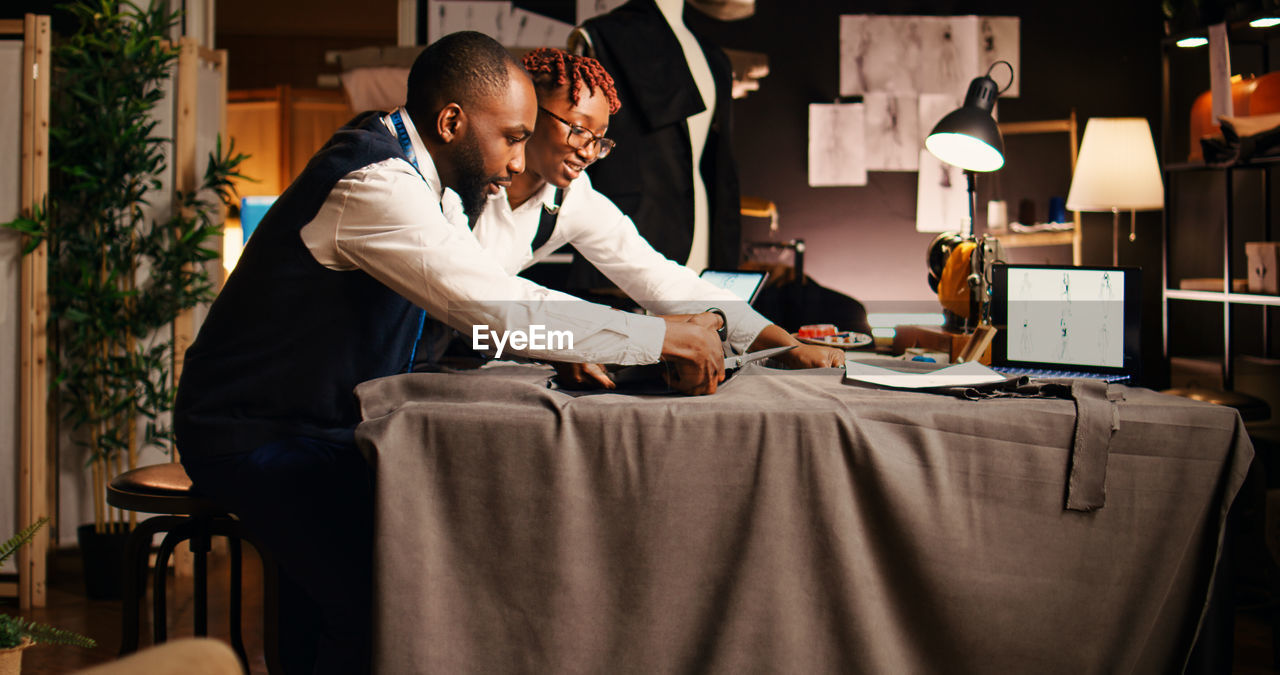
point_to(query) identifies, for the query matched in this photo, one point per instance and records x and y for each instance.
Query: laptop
(743, 283)
(1066, 321)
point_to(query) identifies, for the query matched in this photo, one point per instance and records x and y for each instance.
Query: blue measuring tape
(407, 145)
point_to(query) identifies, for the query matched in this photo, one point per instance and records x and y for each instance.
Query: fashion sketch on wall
(892, 131)
(998, 41)
(837, 148)
(942, 202)
(512, 26)
(907, 54)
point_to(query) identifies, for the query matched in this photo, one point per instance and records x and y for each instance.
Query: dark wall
(1100, 57)
(279, 42)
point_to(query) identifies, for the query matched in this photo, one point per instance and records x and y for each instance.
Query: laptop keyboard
(1059, 374)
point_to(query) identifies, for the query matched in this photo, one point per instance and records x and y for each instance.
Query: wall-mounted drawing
(922, 54)
(998, 41)
(892, 132)
(942, 201)
(837, 147)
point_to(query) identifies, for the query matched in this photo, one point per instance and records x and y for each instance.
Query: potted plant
(17, 633)
(118, 276)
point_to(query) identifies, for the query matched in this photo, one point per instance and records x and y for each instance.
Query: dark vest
(650, 175)
(287, 340)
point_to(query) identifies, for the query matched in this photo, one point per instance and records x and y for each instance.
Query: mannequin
(699, 124)
(673, 171)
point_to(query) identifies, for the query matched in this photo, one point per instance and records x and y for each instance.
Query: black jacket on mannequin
(650, 174)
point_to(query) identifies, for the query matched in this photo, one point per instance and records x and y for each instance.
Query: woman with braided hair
(552, 204)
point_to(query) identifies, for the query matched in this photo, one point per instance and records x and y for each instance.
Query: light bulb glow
(964, 151)
(1193, 42)
(1266, 22)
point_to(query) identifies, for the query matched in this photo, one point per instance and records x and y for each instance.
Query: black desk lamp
(970, 139)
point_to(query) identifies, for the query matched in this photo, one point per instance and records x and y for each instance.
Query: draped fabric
(789, 523)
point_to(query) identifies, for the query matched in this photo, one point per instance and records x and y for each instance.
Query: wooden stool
(166, 489)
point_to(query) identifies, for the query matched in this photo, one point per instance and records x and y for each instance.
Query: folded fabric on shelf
(1243, 138)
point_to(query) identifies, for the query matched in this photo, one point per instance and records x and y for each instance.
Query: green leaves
(118, 274)
(13, 629)
(15, 542)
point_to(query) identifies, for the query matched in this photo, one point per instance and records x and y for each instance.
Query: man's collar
(426, 165)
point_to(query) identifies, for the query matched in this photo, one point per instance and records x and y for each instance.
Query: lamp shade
(968, 137)
(1117, 167)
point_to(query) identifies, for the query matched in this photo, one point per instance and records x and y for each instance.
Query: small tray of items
(828, 336)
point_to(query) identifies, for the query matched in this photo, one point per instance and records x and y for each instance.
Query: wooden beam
(184, 169)
(33, 442)
(1039, 127)
(12, 26)
(219, 61)
(1077, 240)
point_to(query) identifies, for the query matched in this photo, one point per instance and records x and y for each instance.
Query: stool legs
(199, 530)
(234, 531)
(200, 548)
(135, 570)
(177, 534)
(237, 643)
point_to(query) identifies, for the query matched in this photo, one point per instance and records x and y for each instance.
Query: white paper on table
(960, 375)
(837, 147)
(892, 131)
(942, 199)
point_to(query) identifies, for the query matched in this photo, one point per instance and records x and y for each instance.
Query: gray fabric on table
(788, 523)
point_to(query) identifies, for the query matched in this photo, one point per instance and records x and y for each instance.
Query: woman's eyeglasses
(581, 138)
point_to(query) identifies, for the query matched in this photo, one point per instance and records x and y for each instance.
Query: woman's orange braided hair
(552, 68)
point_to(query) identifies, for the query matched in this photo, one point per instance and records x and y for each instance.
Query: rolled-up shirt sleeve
(386, 220)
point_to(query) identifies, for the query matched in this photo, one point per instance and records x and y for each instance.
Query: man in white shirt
(575, 99)
(331, 291)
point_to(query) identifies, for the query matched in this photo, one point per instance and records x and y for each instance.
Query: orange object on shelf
(1249, 96)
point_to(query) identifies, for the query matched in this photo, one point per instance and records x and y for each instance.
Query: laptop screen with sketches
(1064, 321)
(743, 283)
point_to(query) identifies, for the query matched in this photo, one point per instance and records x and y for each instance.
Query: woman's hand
(583, 376)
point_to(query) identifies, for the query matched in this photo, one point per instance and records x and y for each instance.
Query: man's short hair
(458, 68)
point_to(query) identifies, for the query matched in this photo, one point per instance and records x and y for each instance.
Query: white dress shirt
(605, 236)
(405, 230)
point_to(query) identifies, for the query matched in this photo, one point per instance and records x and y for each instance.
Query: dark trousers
(311, 503)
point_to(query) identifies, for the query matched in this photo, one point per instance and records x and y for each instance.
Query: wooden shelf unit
(1055, 237)
(1173, 167)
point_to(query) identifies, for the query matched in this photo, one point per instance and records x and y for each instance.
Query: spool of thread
(1057, 210)
(1027, 212)
(997, 215)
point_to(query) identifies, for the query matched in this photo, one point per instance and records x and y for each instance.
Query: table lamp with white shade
(1117, 169)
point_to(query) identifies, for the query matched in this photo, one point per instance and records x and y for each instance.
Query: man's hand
(583, 375)
(694, 356)
(803, 356)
